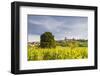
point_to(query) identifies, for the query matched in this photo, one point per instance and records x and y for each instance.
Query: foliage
(47, 40)
(72, 44)
(37, 53)
(61, 43)
(49, 49)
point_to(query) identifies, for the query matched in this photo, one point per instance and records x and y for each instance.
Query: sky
(60, 26)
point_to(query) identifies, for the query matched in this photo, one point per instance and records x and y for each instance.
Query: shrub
(72, 44)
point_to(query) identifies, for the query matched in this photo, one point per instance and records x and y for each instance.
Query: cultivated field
(37, 53)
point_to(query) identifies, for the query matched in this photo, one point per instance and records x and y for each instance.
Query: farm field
(37, 53)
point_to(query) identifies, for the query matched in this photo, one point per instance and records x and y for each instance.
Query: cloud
(32, 38)
(60, 26)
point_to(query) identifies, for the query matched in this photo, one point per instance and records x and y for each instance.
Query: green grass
(36, 53)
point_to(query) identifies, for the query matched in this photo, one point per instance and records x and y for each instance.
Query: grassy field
(37, 53)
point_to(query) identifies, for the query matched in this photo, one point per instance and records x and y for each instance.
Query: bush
(72, 44)
(47, 40)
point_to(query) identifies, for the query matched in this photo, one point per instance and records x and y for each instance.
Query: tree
(47, 40)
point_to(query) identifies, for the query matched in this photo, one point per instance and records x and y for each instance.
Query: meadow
(37, 53)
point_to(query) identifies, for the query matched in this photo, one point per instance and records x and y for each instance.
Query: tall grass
(37, 53)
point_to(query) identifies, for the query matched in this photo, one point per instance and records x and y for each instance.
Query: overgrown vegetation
(36, 53)
(49, 49)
